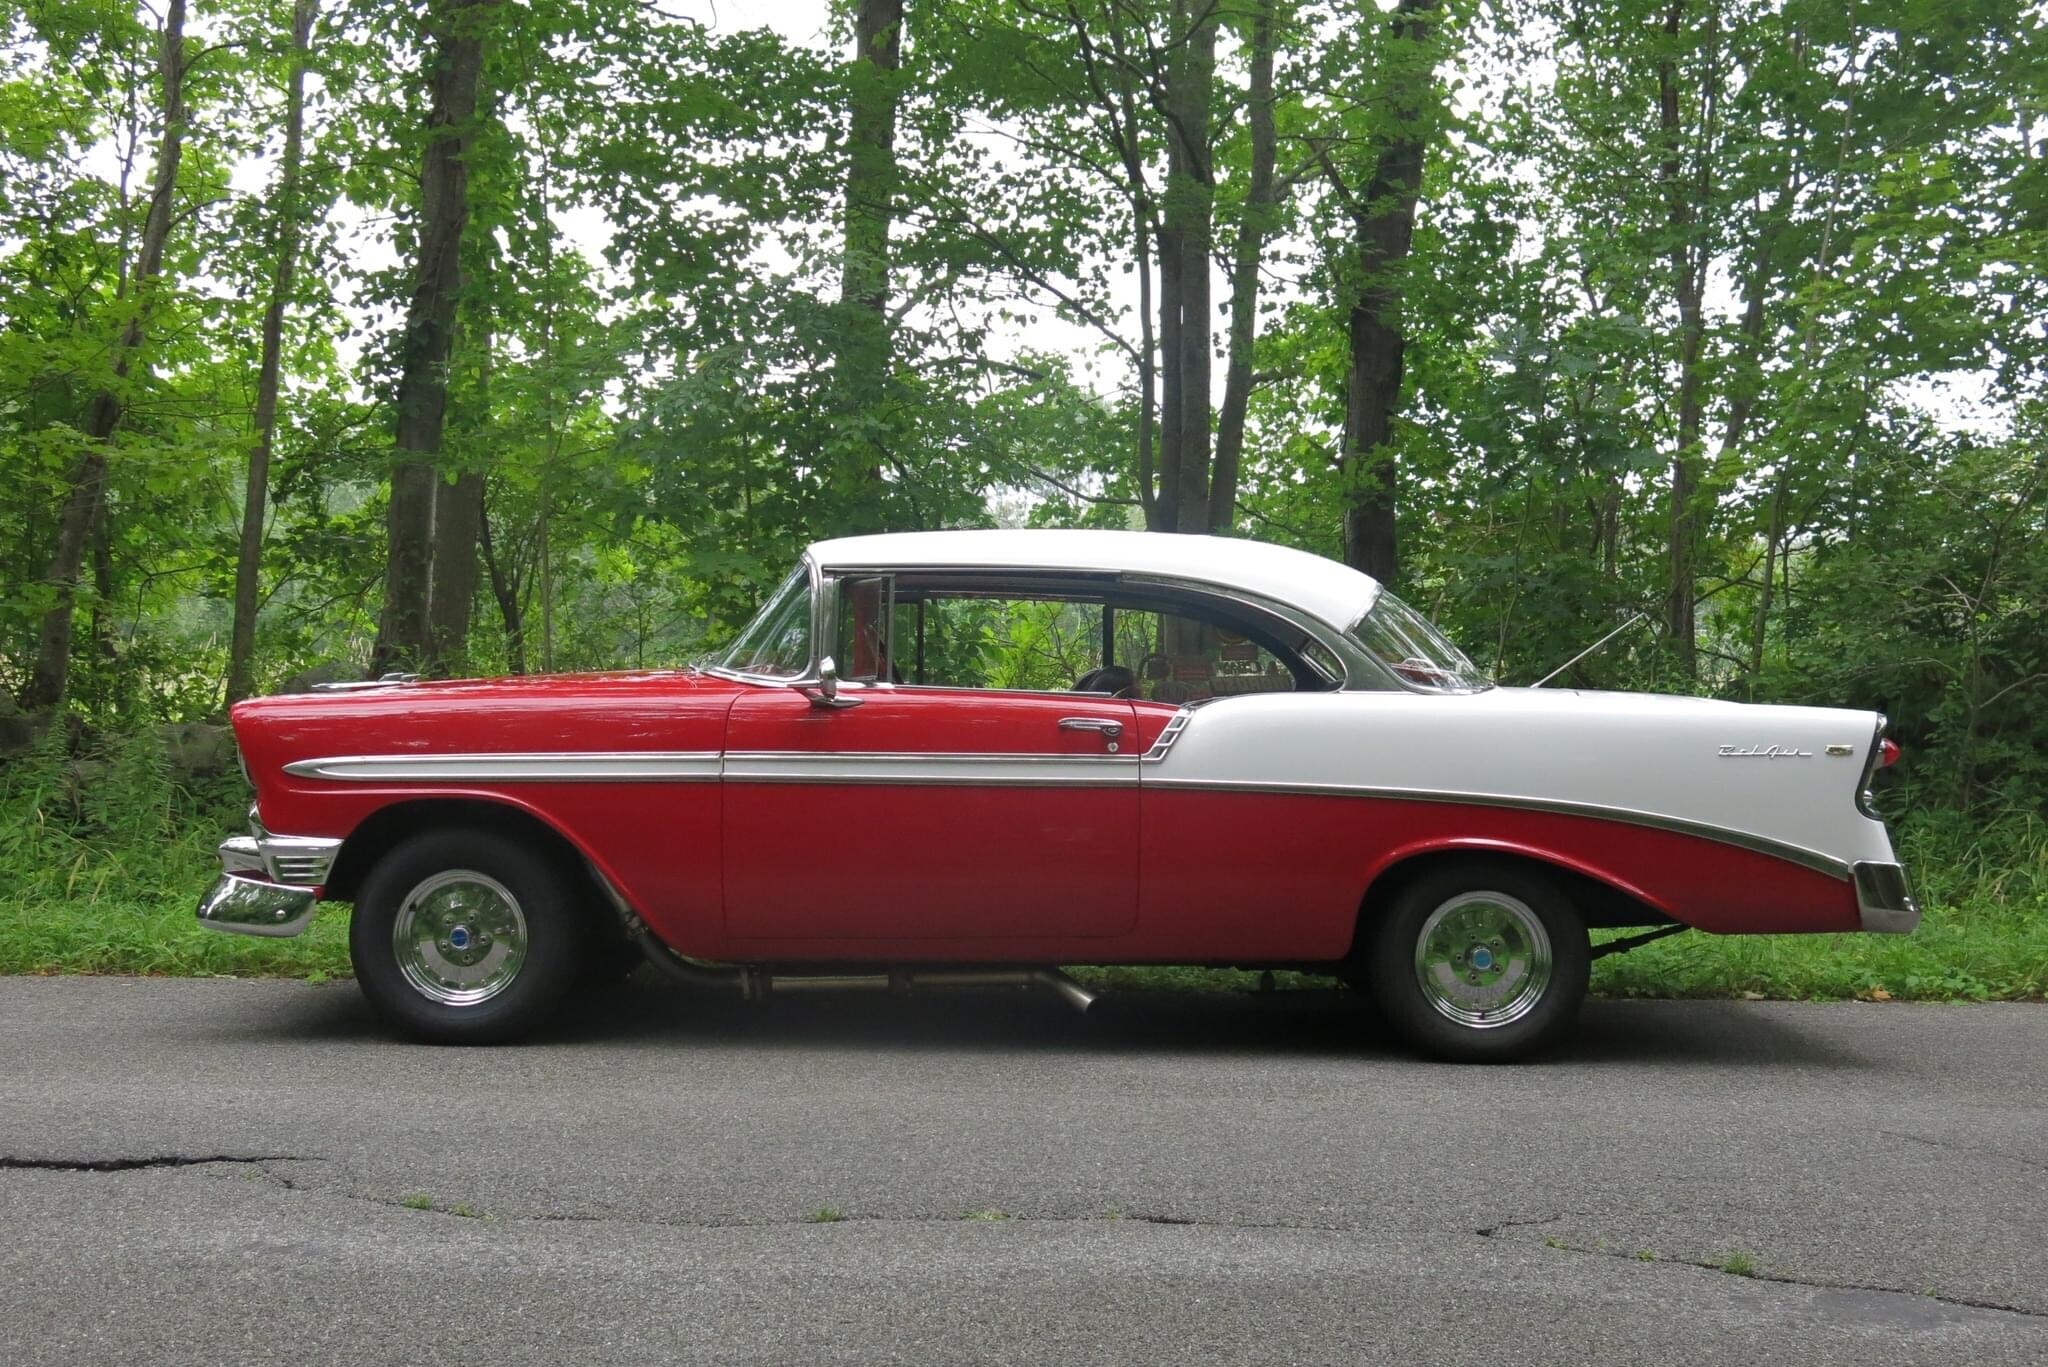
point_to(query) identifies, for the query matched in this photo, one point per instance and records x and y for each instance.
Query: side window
(1181, 659)
(948, 635)
(963, 641)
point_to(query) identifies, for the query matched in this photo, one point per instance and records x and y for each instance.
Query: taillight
(1887, 753)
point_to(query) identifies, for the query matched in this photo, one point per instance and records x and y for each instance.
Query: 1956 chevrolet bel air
(953, 758)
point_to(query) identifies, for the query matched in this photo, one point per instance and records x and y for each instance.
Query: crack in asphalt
(1951, 1145)
(261, 1163)
(1491, 1231)
(965, 1217)
(168, 1160)
(1781, 1278)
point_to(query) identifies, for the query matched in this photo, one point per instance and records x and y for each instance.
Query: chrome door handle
(1110, 729)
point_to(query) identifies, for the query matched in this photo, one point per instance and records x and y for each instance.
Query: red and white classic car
(955, 758)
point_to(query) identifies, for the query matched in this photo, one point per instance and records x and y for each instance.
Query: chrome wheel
(1483, 959)
(459, 938)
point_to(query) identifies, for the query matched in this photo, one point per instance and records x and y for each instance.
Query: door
(928, 815)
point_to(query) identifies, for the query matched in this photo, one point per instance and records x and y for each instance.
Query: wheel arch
(384, 829)
(1602, 900)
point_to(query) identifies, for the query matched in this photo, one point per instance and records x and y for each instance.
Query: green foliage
(103, 857)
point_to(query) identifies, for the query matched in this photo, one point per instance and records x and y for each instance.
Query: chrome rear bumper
(269, 884)
(1884, 898)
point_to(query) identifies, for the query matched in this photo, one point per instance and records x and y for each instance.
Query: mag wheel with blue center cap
(460, 937)
(1479, 960)
(466, 937)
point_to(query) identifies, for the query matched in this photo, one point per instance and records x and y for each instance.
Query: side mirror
(825, 692)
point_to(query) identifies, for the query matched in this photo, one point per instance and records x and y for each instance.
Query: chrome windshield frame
(809, 678)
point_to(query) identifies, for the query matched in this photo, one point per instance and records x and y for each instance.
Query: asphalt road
(221, 1171)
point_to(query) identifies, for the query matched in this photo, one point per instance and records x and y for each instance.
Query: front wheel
(464, 937)
(1481, 961)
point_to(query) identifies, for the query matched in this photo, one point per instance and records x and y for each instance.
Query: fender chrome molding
(1777, 849)
(647, 766)
(960, 770)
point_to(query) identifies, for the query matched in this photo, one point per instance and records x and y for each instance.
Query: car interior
(1030, 633)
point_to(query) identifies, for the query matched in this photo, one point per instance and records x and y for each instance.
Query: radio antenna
(1589, 650)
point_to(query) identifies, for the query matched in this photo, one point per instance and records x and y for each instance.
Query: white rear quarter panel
(1630, 755)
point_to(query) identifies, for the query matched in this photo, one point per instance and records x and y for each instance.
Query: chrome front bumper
(1884, 898)
(269, 884)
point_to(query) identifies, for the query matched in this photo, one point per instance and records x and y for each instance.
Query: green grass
(102, 864)
(100, 871)
(1739, 1265)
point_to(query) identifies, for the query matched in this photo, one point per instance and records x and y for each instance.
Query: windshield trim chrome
(809, 677)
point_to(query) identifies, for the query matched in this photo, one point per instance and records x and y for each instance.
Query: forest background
(477, 336)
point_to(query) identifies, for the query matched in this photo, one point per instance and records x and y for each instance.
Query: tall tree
(1256, 224)
(1382, 213)
(249, 553)
(1186, 228)
(427, 550)
(1685, 188)
(85, 501)
(870, 209)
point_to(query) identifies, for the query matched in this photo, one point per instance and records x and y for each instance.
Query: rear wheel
(1480, 961)
(464, 937)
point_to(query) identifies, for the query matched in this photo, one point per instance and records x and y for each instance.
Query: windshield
(777, 642)
(1414, 651)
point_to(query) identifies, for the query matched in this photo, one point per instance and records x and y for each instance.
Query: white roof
(1335, 593)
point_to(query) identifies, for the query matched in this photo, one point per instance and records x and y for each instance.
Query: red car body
(1291, 787)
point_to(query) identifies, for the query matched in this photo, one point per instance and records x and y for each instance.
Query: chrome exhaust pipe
(1069, 991)
(908, 980)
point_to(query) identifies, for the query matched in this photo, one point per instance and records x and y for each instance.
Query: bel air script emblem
(1763, 752)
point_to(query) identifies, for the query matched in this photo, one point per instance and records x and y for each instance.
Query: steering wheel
(1114, 680)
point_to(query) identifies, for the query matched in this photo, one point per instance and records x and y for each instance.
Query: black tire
(463, 971)
(1514, 950)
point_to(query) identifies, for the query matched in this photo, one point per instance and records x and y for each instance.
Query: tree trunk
(405, 633)
(1171, 260)
(458, 516)
(1190, 209)
(1688, 268)
(102, 580)
(52, 671)
(871, 178)
(1760, 624)
(249, 555)
(1260, 200)
(505, 588)
(1148, 373)
(862, 366)
(1385, 219)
